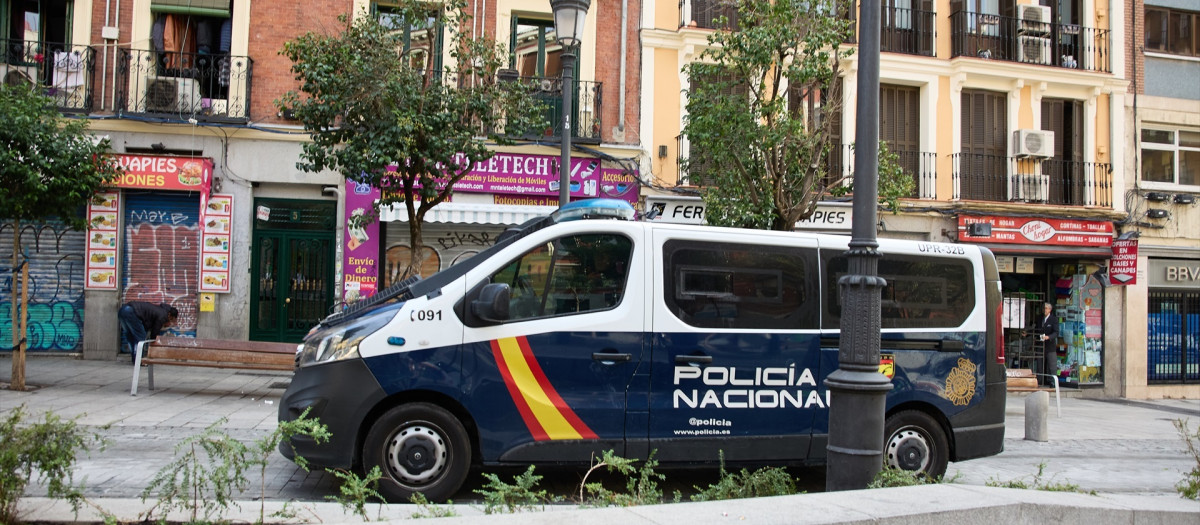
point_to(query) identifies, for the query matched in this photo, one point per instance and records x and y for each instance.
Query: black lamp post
(568, 27)
(857, 389)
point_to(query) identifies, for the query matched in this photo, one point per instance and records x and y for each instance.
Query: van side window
(718, 285)
(921, 292)
(574, 274)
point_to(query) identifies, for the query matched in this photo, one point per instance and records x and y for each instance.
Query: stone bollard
(1037, 406)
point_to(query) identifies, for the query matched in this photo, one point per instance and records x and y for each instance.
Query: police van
(575, 335)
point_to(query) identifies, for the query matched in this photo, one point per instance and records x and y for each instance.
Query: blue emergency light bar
(594, 209)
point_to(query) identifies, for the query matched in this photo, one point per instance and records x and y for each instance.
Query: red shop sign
(1122, 268)
(1034, 230)
(160, 172)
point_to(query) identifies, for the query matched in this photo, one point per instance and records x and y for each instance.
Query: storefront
(1055, 261)
(1173, 321)
(507, 190)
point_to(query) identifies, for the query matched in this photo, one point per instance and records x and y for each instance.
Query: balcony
(707, 14)
(182, 86)
(586, 105)
(908, 31)
(920, 165)
(1051, 181)
(63, 71)
(1006, 38)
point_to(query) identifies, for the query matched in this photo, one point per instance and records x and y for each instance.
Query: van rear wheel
(419, 447)
(916, 442)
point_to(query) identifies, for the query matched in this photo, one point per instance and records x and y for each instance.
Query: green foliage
(499, 496)
(1038, 482)
(766, 481)
(49, 165)
(355, 490)
(1189, 486)
(45, 451)
(641, 483)
(380, 113)
(896, 477)
(425, 509)
(763, 160)
(211, 467)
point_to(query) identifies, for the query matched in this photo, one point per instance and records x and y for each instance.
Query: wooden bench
(1025, 380)
(212, 353)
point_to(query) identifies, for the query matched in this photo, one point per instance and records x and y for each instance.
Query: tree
(50, 167)
(759, 114)
(381, 111)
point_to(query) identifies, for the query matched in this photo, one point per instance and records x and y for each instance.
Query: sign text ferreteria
(1040, 231)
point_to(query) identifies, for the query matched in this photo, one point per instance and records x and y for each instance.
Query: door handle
(611, 357)
(287, 300)
(693, 359)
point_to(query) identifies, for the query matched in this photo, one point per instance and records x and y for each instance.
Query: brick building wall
(1135, 27)
(272, 23)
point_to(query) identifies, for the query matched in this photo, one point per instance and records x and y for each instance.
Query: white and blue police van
(577, 333)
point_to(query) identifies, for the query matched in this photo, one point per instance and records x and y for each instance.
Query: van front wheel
(916, 442)
(418, 447)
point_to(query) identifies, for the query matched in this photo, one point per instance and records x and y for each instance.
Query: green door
(292, 265)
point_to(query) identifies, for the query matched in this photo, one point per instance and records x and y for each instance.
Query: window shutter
(218, 8)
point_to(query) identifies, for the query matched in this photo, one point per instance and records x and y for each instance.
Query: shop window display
(1079, 305)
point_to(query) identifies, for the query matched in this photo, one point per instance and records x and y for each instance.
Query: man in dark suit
(1049, 339)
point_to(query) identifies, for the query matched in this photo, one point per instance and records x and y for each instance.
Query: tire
(419, 447)
(915, 441)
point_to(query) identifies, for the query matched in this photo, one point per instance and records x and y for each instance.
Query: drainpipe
(337, 240)
(621, 83)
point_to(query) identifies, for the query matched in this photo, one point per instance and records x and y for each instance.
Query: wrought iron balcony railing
(706, 14)
(1049, 181)
(909, 31)
(65, 72)
(921, 165)
(1015, 40)
(586, 106)
(185, 85)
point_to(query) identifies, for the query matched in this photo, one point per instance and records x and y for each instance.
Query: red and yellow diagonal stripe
(544, 411)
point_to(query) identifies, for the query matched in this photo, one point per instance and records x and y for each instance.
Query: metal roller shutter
(162, 253)
(56, 274)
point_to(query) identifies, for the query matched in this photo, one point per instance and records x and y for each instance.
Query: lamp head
(569, 16)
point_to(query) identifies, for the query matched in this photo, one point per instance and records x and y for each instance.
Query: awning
(1034, 250)
(470, 213)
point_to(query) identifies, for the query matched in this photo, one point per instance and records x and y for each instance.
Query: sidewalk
(146, 427)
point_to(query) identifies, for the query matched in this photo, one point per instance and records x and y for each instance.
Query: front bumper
(340, 395)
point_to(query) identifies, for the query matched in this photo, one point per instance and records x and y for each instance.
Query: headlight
(342, 343)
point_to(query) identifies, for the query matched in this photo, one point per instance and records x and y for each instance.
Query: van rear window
(921, 292)
(719, 285)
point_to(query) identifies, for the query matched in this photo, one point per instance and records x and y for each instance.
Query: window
(421, 33)
(921, 292)
(29, 29)
(535, 49)
(576, 274)
(1171, 156)
(1172, 31)
(713, 285)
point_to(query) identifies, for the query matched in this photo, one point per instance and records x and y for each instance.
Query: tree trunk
(417, 244)
(20, 287)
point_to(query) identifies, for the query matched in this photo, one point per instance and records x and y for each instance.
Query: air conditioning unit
(548, 84)
(1029, 187)
(1033, 143)
(1033, 19)
(1033, 50)
(172, 95)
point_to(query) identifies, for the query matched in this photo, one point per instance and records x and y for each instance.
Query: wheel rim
(909, 449)
(416, 454)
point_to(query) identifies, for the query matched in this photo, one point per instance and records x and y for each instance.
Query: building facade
(215, 218)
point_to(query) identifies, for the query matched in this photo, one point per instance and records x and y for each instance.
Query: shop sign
(829, 216)
(1005, 264)
(538, 175)
(1024, 264)
(102, 241)
(1033, 230)
(1122, 268)
(1175, 273)
(215, 233)
(158, 172)
(677, 210)
(360, 259)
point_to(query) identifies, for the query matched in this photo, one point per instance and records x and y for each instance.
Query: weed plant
(894, 477)
(520, 495)
(1039, 482)
(425, 509)
(43, 451)
(641, 483)
(354, 490)
(1189, 486)
(766, 481)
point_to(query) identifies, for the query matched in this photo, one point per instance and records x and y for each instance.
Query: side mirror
(492, 304)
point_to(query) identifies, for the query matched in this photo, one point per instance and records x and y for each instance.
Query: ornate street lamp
(568, 27)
